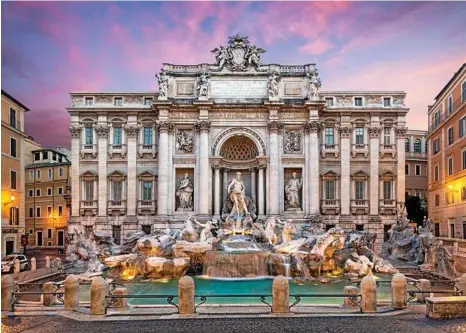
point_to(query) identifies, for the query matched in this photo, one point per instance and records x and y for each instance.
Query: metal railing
(262, 298)
(355, 299)
(113, 298)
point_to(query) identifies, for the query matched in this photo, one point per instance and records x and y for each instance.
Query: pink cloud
(318, 46)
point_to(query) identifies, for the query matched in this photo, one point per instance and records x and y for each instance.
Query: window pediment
(147, 175)
(360, 175)
(330, 175)
(117, 176)
(387, 175)
(89, 175)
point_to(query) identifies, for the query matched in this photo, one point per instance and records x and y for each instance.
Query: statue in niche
(314, 85)
(274, 80)
(163, 84)
(185, 194)
(292, 142)
(292, 193)
(236, 191)
(184, 141)
(203, 86)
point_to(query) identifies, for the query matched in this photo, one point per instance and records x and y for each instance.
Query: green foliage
(414, 209)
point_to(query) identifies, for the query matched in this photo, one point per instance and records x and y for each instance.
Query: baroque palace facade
(148, 160)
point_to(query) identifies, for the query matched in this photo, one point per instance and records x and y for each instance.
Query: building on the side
(447, 158)
(47, 179)
(13, 139)
(142, 160)
(416, 164)
(29, 146)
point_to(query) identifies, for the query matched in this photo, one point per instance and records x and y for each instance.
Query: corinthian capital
(203, 126)
(165, 127)
(274, 126)
(131, 131)
(345, 131)
(374, 132)
(101, 131)
(312, 127)
(75, 132)
(400, 132)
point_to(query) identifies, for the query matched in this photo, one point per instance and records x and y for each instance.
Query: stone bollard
(17, 266)
(47, 262)
(350, 291)
(33, 264)
(461, 284)
(8, 288)
(280, 295)
(186, 295)
(71, 293)
(369, 294)
(424, 285)
(48, 300)
(120, 303)
(99, 289)
(399, 291)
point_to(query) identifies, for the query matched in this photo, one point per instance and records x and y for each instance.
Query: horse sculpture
(270, 234)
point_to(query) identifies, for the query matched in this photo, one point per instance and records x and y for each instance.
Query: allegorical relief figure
(236, 191)
(274, 80)
(314, 85)
(184, 141)
(185, 194)
(292, 142)
(292, 188)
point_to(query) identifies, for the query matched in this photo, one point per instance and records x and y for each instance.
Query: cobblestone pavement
(399, 324)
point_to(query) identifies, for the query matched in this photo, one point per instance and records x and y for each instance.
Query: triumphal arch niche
(246, 137)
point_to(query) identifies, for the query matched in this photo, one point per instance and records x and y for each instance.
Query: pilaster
(274, 181)
(131, 197)
(345, 139)
(374, 137)
(102, 133)
(203, 127)
(400, 154)
(75, 179)
(162, 181)
(313, 128)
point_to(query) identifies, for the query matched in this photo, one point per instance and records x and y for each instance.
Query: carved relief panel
(184, 141)
(292, 142)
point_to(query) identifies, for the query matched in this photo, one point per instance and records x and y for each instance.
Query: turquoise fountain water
(209, 286)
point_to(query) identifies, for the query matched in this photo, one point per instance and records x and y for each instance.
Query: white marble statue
(163, 84)
(314, 85)
(270, 234)
(220, 56)
(274, 80)
(185, 193)
(206, 232)
(292, 192)
(288, 231)
(203, 86)
(189, 232)
(236, 190)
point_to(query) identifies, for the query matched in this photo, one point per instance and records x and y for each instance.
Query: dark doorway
(39, 238)
(329, 226)
(146, 229)
(61, 237)
(9, 247)
(116, 232)
(360, 227)
(437, 229)
(386, 227)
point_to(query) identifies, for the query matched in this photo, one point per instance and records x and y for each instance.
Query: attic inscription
(239, 89)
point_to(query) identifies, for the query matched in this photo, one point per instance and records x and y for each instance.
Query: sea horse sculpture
(189, 233)
(270, 234)
(288, 230)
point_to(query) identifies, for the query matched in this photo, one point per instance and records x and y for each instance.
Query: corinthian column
(131, 193)
(102, 134)
(345, 134)
(313, 128)
(374, 134)
(162, 181)
(260, 192)
(274, 182)
(217, 192)
(400, 156)
(203, 127)
(75, 150)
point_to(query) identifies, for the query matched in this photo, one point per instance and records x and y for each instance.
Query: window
(329, 101)
(45, 155)
(386, 102)
(462, 127)
(49, 191)
(437, 200)
(450, 104)
(116, 233)
(13, 152)
(89, 101)
(13, 118)
(60, 238)
(146, 229)
(450, 135)
(464, 230)
(60, 172)
(60, 210)
(359, 190)
(437, 118)
(116, 190)
(31, 212)
(118, 101)
(387, 135)
(417, 170)
(38, 174)
(49, 211)
(13, 180)
(435, 148)
(117, 135)
(359, 135)
(89, 190)
(406, 169)
(60, 190)
(450, 166)
(148, 101)
(463, 155)
(147, 191)
(330, 190)
(54, 156)
(49, 233)
(463, 91)
(329, 136)
(30, 193)
(358, 101)
(14, 216)
(387, 190)
(49, 173)
(89, 136)
(31, 174)
(436, 173)
(37, 192)
(147, 135)
(407, 145)
(37, 211)
(39, 238)
(463, 193)
(417, 145)
(452, 229)
(359, 227)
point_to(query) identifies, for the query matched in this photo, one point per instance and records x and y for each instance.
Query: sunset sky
(50, 49)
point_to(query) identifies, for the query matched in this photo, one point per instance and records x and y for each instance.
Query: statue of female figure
(185, 193)
(292, 192)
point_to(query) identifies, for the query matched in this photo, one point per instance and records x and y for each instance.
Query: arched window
(417, 146)
(407, 145)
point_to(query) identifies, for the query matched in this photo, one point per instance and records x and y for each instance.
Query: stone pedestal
(399, 289)
(120, 303)
(17, 266)
(350, 291)
(47, 262)
(48, 300)
(33, 264)
(8, 288)
(369, 294)
(71, 293)
(280, 295)
(186, 295)
(99, 289)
